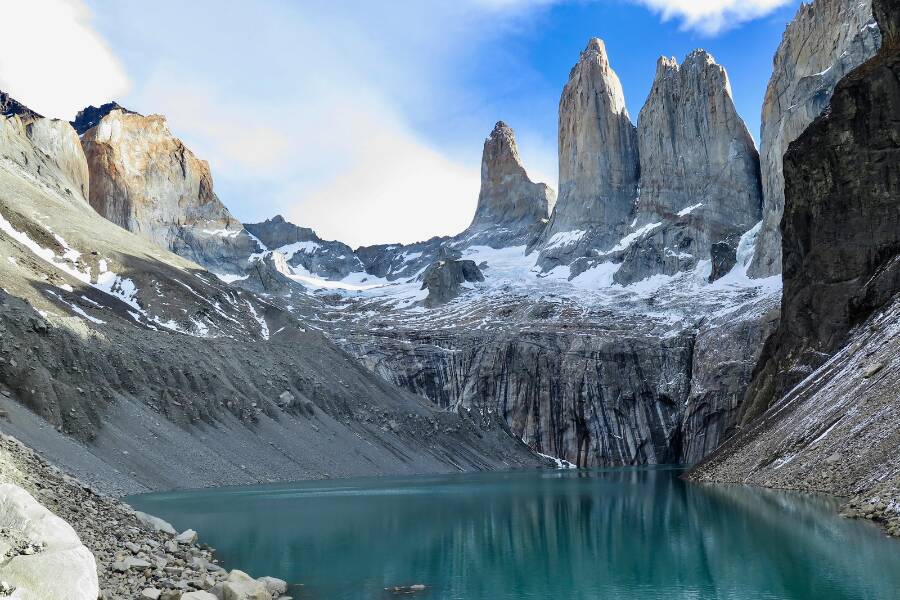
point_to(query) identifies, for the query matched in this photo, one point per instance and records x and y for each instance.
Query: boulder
(444, 279)
(188, 536)
(276, 587)
(240, 586)
(154, 523)
(58, 566)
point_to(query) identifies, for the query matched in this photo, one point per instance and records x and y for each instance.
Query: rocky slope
(511, 208)
(825, 41)
(830, 374)
(145, 180)
(136, 369)
(699, 171)
(598, 163)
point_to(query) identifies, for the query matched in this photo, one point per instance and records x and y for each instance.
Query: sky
(365, 119)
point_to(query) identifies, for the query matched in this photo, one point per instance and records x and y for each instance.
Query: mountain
(136, 369)
(825, 41)
(598, 163)
(145, 180)
(827, 383)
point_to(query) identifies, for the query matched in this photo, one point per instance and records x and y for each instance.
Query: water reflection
(562, 535)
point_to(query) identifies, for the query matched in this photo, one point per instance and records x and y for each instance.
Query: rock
(723, 255)
(841, 224)
(872, 370)
(511, 208)
(598, 163)
(154, 523)
(151, 594)
(445, 279)
(240, 586)
(301, 247)
(147, 181)
(188, 536)
(825, 41)
(285, 398)
(90, 117)
(63, 568)
(699, 171)
(9, 106)
(276, 587)
(198, 595)
(135, 563)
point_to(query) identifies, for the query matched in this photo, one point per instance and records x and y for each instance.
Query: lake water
(625, 533)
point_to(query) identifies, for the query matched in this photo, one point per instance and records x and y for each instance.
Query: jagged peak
(91, 116)
(9, 106)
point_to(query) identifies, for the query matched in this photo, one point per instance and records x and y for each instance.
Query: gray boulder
(445, 278)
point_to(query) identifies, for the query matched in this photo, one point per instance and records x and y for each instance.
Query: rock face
(598, 162)
(824, 42)
(146, 181)
(445, 278)
(9, 106)
(301, 247)
(841, 225)
(699, 170)
(42, 555)
(90, 117)
(830, 374)
(511, 208)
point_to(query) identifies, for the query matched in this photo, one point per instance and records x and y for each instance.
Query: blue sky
(365, 119)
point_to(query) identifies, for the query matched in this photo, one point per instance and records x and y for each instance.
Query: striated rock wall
(825, 41)
(511, 208)
(598, 161)
(145, 180)
(699, 170)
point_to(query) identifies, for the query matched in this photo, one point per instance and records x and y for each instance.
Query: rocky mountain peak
(598, 161)
(9, 106)
(89, 117)
(508, 198)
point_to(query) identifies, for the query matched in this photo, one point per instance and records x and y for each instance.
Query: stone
(511, 208)
(154, 523)
(276, 587)
(598, 163)
(825, 40)
(188, 536)
(445, 279)
(63, 568)
(240, 586)
(150, 594)
(198, 595)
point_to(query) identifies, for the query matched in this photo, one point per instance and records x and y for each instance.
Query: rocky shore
(137, 556)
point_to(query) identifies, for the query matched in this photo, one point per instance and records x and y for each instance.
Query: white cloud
(713, 16)
(53, 61)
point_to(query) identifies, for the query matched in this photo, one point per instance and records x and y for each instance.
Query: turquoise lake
(589, 534)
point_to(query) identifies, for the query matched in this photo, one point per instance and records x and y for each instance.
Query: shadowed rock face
(9, 106)
(699, 170)
(841, 224)
(511, 207)
(91, 116)
(598, 160)
(145, 180)
(445, 278)
(825, 41)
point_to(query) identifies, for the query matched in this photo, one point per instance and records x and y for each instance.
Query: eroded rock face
(145, 180)
(511, 208)
(598, 162)
(841, 225)
(824, 42)
(42, 555)
(90, 117)
(9, 106)
(445, 279)
(699, 170)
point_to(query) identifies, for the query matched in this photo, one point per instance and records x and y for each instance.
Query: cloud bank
(711, 17)
(54, 62)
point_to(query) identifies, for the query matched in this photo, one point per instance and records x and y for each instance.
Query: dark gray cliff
(841, 224)
(831, 373)
(445, 279)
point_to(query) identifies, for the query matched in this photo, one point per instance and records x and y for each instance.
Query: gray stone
(188, 536)
(276, 587)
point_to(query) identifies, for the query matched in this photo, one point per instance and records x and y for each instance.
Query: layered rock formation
(830, 374)
(699, 170)
(824, 42)
(598, 162)
(145, 180)
(511, 208)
